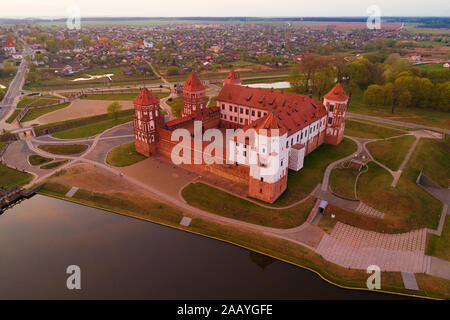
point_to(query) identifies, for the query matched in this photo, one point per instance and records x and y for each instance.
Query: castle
(300, 123)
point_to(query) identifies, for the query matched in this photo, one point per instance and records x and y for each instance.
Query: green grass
(63, 149)
(13, 116)
(407, 206)
(342, 181)
(265, 80)
(302, 182)
(368, 131)
(433, 157)
(212, 102)
(91, 129)
(37, 112)
(36, 101)
(36, 160)
(431, 66)
(177, 106)
(391, 152)
(120, 96)
(10, 178)
(380, 124)
(225, 204)
(3, 145)
(439, 246)
(124, 155)
(55, 164)
(426, 117)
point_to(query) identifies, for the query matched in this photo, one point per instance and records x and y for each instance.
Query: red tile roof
(146, 98)
(336, 94)
(193, 83)
(293, 111)
(232, 77)
(269, 123)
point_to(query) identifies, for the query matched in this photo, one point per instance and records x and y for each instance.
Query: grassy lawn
(407, 206)
(439, 246)
(10, 178)
(302, 182)
(212, 102)
(391, 152)
(55, 164)
(427, 117)
(120, 96)
(36, 160)
(124, 155)
(433, 157)
(91, 129)
(13, 116)
(37, 112)
(368, 131)
(431, 66)
(342, 181)
(378, 123)
(176, 105)
(37, 101)
(63, 149)
(225, 204)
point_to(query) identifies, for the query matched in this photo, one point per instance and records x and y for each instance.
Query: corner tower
(147, 119)
(194, 97)
(232, 78)
(335, 102)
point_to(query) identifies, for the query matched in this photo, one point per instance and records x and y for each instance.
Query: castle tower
(335, 102)
(269, 160)
(194, 97)
(232, 78)
(146, 120)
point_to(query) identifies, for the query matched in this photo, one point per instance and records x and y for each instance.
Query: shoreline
(180, 228)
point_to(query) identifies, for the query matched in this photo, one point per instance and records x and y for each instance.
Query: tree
(400, 96)
(173, 71)
(295, 80)
(114, 110)
(374, 95)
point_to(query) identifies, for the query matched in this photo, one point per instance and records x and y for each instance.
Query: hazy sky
(176, 8)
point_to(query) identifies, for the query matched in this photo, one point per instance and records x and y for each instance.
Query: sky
(218, 8)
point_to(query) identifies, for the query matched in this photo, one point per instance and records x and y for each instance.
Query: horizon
(204, 8)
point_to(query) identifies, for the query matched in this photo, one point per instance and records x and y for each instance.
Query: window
(241, 110)
(235, 109)
(330, 120)
(253, 113)
(240, 120)
(235, 119)
(281, 163)
(262, 179)
(245, 153)
(231, 108)
(223, 107)
(246, 111)
(287, 144)
(237, 144)
(331, 107)
(259, 114)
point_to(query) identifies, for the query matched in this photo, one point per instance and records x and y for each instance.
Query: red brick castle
(302, 124)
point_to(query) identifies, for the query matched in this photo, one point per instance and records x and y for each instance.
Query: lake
(126, 258)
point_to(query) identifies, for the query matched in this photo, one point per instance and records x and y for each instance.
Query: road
(14, 88)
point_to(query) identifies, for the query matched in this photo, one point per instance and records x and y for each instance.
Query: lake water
(125, 258)
(275, 85)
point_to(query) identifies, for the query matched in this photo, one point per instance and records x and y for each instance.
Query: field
(176, 105)
(63, 149)
(342, 182)
(119, 96)
(433, 118)
(124, 155)
(10, 178)
(37, 101)
(13, 116)
(391, 152)
(36, 160)
(356, 128)
(228, 205)
(35, 113)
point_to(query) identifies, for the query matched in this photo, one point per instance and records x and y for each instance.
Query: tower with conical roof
(147, 119)
(232, 78)
(194, 96)
(269, 168)
(335, 102)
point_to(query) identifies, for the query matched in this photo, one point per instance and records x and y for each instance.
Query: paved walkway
(355, 248)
